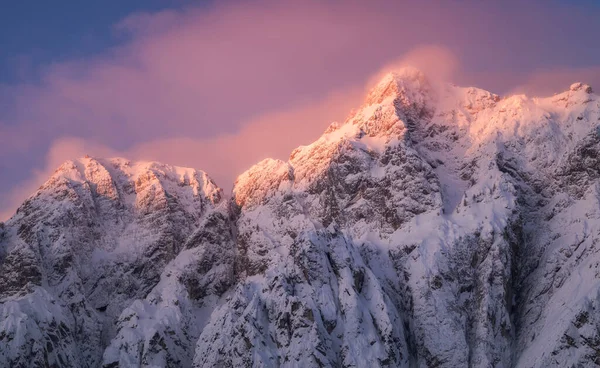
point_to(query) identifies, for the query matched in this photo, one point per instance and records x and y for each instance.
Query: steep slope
(97, 235)
(412, 235)
(436, 227)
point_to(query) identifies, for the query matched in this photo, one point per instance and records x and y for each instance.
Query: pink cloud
(274, 135)
(546, 82)
(221, 88)
(205, 71)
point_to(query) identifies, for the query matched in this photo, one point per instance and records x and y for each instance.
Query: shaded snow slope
(95, 237)
(436, 227)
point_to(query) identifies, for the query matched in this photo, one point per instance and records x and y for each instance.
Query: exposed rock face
(436, 227)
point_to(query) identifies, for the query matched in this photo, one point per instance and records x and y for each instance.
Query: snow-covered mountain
(436, 227)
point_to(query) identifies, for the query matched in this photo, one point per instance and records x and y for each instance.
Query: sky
(219, 86)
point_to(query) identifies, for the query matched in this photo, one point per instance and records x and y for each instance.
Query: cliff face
(436, 227)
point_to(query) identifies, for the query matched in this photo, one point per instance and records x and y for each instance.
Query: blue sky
(35, 33)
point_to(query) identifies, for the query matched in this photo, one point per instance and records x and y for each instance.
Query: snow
(435, 227)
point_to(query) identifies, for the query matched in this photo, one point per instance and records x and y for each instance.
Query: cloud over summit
(223, 86)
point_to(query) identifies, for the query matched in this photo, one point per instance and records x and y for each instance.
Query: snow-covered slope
(436, 227)
(96, 236)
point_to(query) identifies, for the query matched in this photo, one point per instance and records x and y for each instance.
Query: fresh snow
(439, 226)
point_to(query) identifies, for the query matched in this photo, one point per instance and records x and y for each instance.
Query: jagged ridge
(438, 227)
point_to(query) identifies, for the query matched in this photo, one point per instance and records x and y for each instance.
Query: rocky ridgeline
(436, 227)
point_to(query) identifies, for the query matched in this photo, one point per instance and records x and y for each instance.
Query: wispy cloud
(220, 88)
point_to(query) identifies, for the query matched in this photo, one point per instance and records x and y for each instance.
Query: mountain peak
(406, 82)
(260, 181)
(128, 183)
(578, 86)
(424, 197)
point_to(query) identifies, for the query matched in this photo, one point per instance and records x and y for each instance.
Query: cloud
(61, 150)
(546, 82)
(272, 135)
(223, 86)
(223, 157)
(204, 71)
(437, 62)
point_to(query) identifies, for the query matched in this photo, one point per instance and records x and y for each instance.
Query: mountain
(436, 227)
